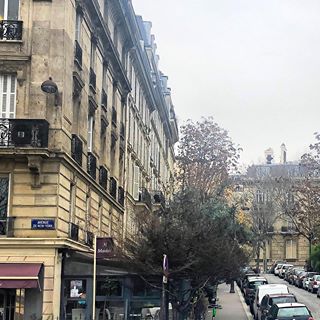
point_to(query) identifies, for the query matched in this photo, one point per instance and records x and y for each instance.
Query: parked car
(275, 265)
(307, 279)
(302, 276)
(287, 273)
(245, 279)
(314, 283)
(262, 291)
(289, 311)
(318, 293)
(251, 286)
(270, 299)
(294, 273)
(277, 269)
(283, 269)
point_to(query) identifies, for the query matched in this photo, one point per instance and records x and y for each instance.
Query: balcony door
(9, 9)
(8, 85)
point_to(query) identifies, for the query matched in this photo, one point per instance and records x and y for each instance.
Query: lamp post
(48, 86)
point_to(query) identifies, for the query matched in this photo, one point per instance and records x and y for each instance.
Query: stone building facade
(80, 161)
(283, 241)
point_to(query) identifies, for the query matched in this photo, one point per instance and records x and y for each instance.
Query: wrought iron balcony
(121, 196)
(10, 30)
(92, 165)
(78, 53)
(73, 231)
(113, 188)
(24, 133)
(6, 226)
(93, 79)
(76, 149)
(145, 197)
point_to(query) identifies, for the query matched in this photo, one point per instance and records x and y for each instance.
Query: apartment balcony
(76, 149)
(24, 133)
(92, 165)
(288, 230)
(145, 197)
(6, 226)
(11, 30)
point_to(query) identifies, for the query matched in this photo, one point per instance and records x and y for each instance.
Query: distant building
(283, 241)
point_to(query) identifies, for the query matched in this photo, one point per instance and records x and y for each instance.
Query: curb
(244, 305)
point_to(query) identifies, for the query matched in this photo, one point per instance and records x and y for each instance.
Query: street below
(303, 296)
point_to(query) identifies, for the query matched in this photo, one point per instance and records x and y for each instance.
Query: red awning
(19, 275)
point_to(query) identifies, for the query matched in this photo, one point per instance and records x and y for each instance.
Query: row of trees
(199, 232)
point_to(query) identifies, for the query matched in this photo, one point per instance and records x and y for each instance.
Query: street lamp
(48, 86)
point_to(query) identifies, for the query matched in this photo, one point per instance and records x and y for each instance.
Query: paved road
(309, 299)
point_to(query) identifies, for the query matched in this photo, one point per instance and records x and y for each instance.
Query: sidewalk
(233, 305)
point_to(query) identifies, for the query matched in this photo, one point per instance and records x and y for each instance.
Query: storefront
(20, 290)
(119, 294)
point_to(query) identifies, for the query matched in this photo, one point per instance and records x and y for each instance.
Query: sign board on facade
(43, 224)
(104, 248)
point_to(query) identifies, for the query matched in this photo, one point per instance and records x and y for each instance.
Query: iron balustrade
(145, 197)
(92, 165)
(6, 226)
(10, 30)
(74, 232)
(76, 149)
(24, 133)
(78, 53)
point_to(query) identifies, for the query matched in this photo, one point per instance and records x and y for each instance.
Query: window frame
(7, 112)
(90, 132)
(6, 10)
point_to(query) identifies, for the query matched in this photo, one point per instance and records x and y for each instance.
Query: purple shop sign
(104, 248)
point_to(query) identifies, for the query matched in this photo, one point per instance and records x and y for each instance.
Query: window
(9, 9)
(90, 132)
(136, 175)
(109, 287)
(4, 195)
(8, 95)
(93, 55)
(78, 26)
(291, 249)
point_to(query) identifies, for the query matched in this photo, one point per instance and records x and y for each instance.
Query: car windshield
(276, 300)
(293, 312)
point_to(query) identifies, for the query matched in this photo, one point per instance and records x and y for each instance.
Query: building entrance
(7, 304)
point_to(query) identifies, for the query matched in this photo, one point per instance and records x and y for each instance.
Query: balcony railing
(78, 53)
(145, 197)
(92, 165)
(121, 196)
(74, 232)
(92, 80)
(291, 229)
(6, 226)
(10, 30)
(76, 149)
(24, 133)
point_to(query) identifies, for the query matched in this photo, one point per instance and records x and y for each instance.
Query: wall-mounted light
(48, 86)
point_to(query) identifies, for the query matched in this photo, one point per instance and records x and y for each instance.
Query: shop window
(143, 289)
(75, 299)
(109, 287)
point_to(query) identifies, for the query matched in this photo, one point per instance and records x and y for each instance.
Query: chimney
(283, 158)
(269, 155)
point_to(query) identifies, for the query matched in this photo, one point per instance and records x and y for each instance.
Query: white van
(266, 289)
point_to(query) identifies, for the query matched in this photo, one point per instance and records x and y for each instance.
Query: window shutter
(8, 96)
(90, 133)
(136, 183)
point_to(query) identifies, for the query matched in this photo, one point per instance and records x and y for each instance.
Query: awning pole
(94, 278)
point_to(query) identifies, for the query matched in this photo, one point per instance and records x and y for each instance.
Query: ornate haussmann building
(87, 134)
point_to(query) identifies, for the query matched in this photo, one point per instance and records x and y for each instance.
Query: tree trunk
(232, 286)
(258, 258)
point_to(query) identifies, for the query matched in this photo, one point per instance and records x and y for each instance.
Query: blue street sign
(43, 224)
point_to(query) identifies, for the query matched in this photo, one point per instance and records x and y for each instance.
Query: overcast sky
(254, 65)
